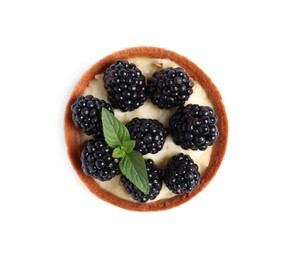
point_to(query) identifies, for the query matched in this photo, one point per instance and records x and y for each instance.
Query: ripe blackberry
(125, 85)
(86, 114)
(149, 134)
(169, 87)
(97, 160)
(181, 174)
(155, 184)
(194, 127)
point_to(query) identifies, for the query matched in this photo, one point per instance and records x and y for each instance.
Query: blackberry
(155, 184)
(86, 114)
(169, 87)
(97, 160)
(149, 134)
(194, 127)
(125, 85)
(181, 174)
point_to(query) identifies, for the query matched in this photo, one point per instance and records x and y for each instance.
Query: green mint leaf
(129, 145)
(115, 132)
(133, 166)
(118, 153)
(123, 148)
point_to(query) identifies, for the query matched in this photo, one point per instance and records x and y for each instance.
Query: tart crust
(73, 135)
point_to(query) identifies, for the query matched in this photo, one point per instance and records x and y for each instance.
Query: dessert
(140, 86)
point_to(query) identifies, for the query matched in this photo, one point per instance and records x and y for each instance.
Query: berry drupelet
(149, 134)
(194, 127)
(86, 114)
(169, 88)
(181, 174)
(125, 85)
(97, 161)
(155, 184)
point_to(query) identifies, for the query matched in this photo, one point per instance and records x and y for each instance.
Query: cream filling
(148, 66)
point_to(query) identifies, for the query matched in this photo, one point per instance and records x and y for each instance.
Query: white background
(47, 213)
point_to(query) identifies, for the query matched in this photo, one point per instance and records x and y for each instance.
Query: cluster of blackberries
(191, 127)
(127, 88)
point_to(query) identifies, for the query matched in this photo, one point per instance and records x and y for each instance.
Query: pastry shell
(73, 135)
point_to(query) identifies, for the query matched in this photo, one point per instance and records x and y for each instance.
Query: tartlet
(75, 138)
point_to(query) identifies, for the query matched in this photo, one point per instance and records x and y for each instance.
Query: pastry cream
(148, 110)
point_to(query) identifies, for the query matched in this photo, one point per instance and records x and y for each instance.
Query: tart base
(73, 135)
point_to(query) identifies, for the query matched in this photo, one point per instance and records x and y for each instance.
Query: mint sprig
(131, 164)
(118, 153)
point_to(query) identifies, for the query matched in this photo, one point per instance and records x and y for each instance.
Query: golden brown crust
(72, 134)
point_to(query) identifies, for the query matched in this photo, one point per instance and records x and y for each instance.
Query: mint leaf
(133, 166)
(129, 145)
(115, 132)
(118, 153)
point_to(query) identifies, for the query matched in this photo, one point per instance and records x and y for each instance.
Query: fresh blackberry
(86, 114)
(125, 85)
(194, 127)
(169, 87)
(181, 174)
(155, 184)
(97, 160)
(149, 134)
